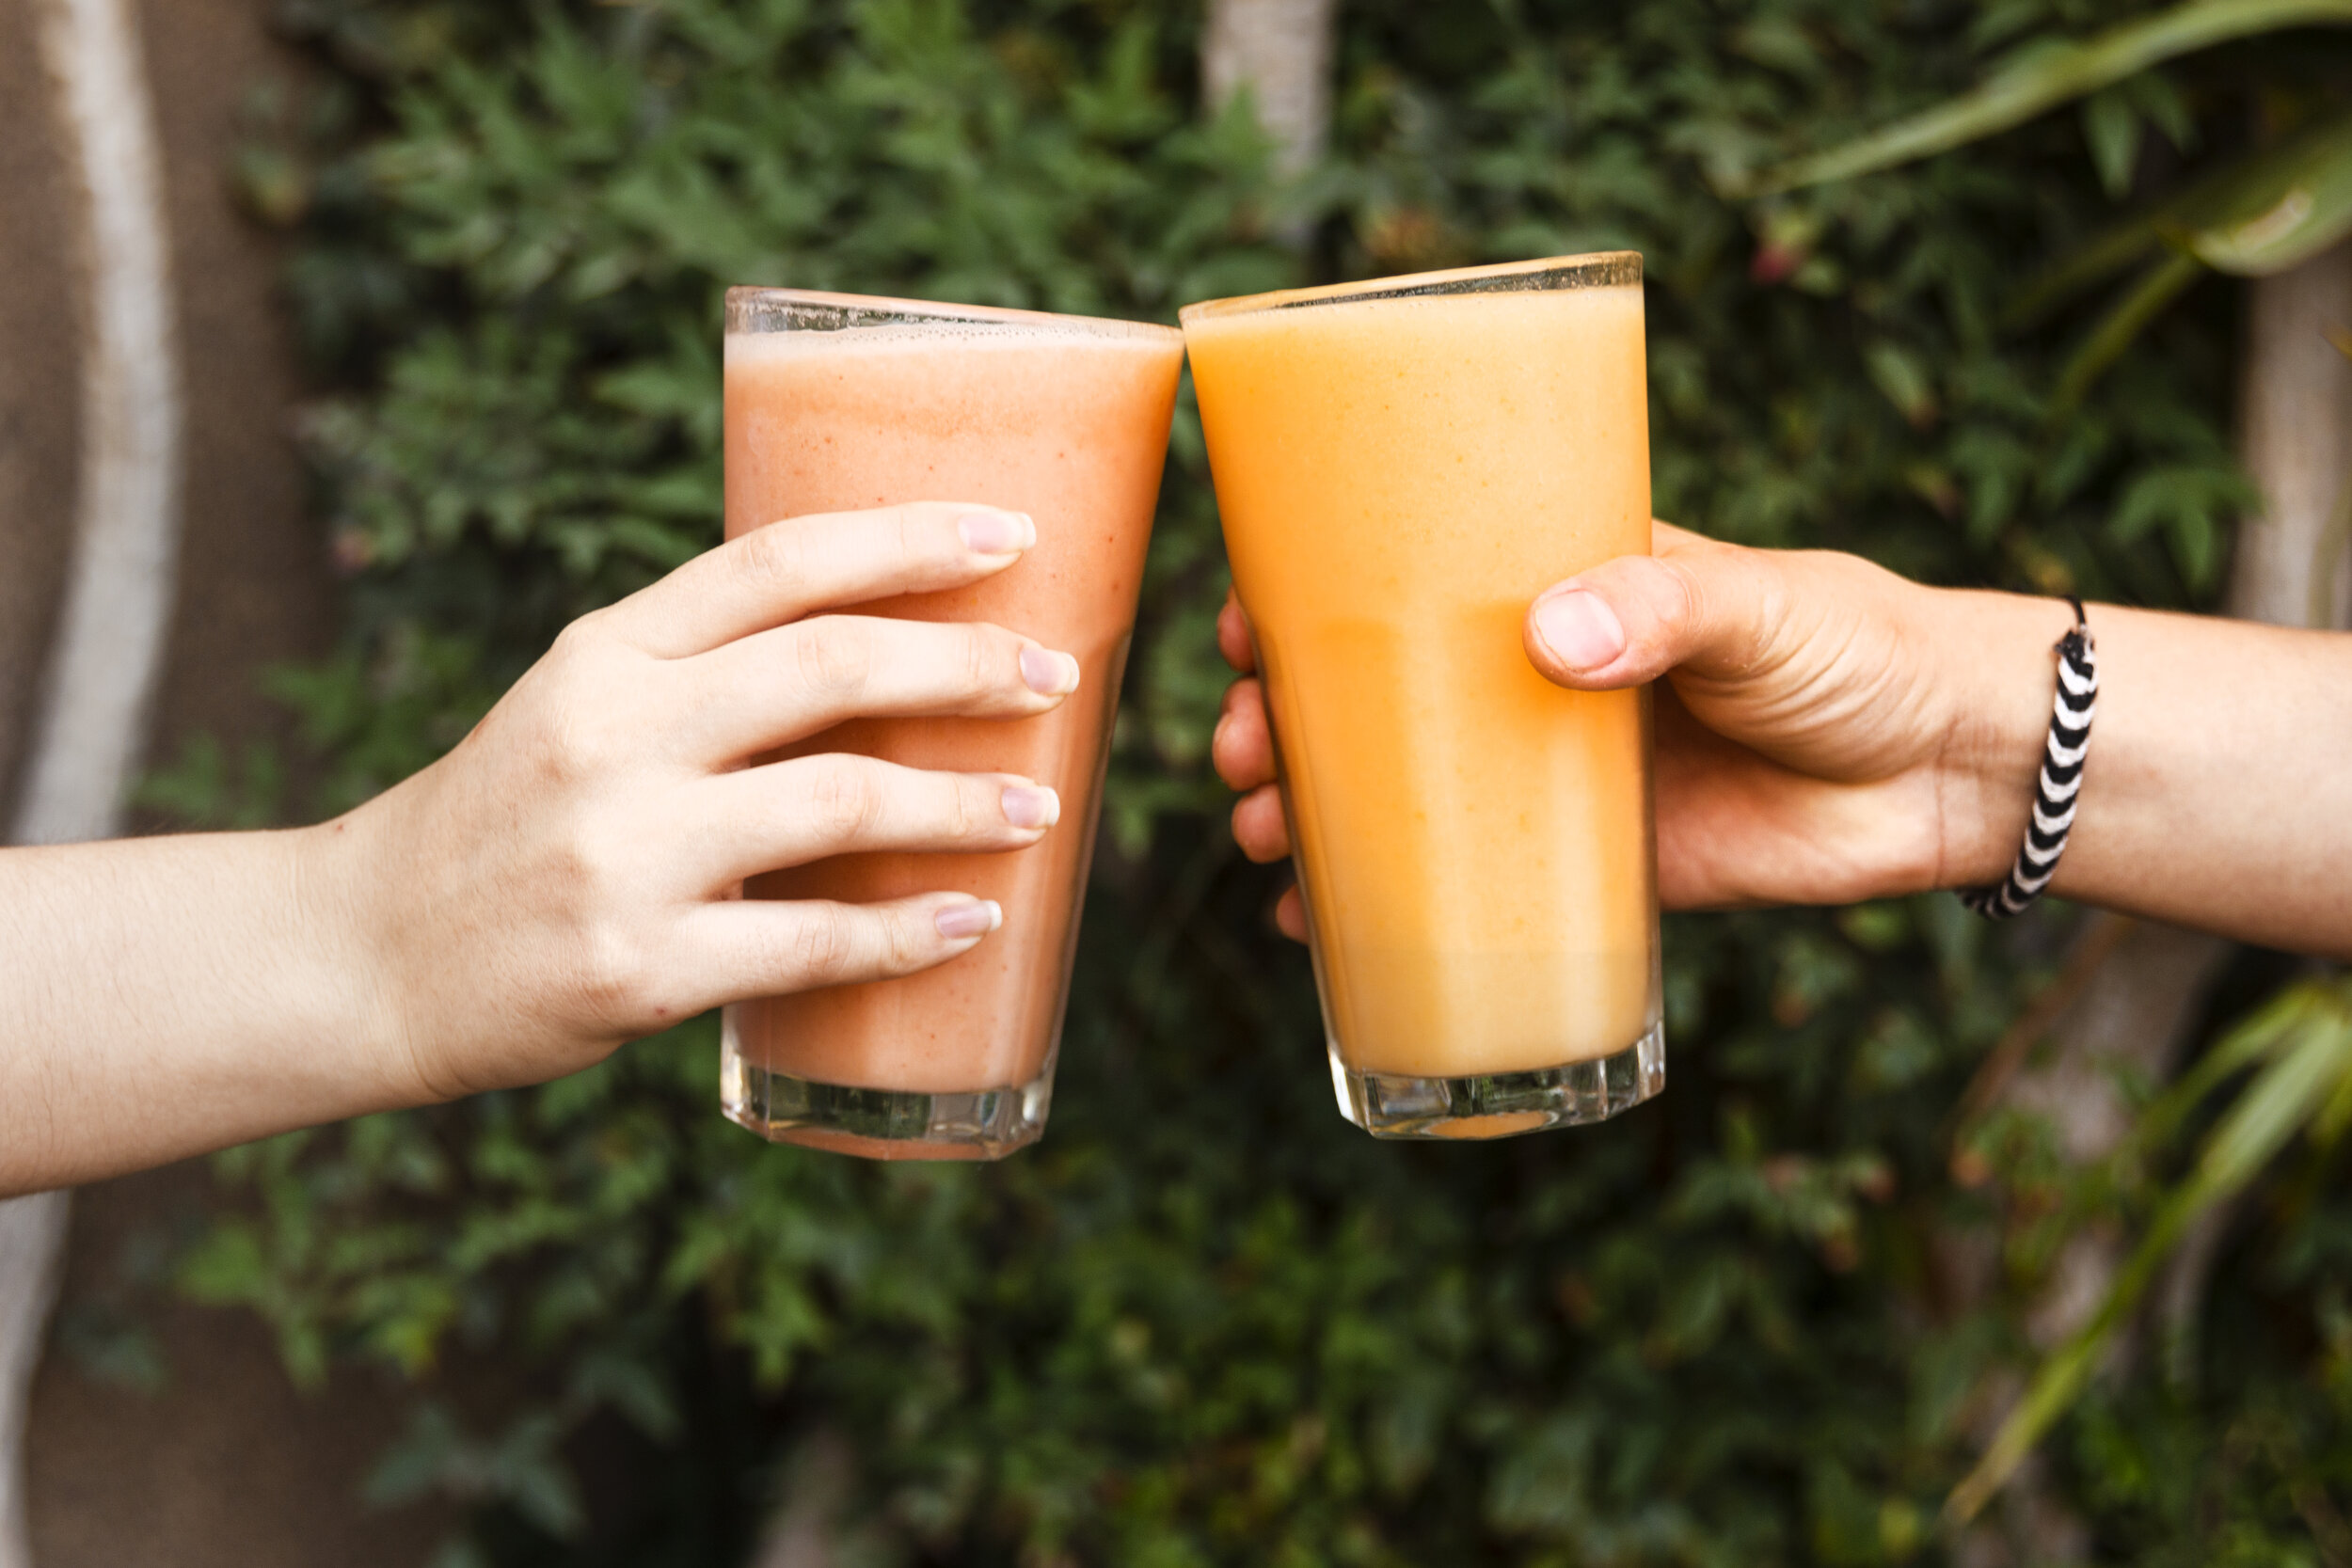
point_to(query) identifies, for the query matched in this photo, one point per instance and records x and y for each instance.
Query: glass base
(884, 1124)
(1502, 1104)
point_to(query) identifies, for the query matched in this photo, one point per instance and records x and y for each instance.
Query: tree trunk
(1280, 51)
(2292, 569)
(119, 593)
(2296, 438)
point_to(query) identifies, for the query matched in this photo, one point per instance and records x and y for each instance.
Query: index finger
(786, 570)
(1232, 635)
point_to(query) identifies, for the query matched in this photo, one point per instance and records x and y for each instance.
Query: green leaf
(2311, 1061)
(2245, 190)
(2046, 77)
(2192, 505)
(2112, 127)
(2280, 209)
(230, 1266)
(1903, 376)
(1206, 1321)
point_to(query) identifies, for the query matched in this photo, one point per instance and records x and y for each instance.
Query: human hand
(1826, 732)
(569, 877)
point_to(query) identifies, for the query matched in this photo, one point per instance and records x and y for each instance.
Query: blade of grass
(2108, 253)
(2255, 1039)
(2158, 287)
(2290, 1091)
(2047, 77)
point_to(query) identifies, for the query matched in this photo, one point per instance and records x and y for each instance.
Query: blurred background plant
(1775, 1317)
(2271, 211)
(2268, 207)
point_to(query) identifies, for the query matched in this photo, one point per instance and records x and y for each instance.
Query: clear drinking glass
(840, 401)
(1402, 465)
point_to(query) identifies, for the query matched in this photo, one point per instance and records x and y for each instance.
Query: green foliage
(2110, 70)
(2304, 1041)
(2261, 213)
(2268, 211)
(1206, 1321)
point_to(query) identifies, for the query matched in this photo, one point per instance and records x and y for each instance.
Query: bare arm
(1830, 731)
(152, 988)
(563, 882)
(2219, 789)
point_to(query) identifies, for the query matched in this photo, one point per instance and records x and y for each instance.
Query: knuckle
(971, 812)
(1245, 828)
(579, 746)
(1771, 626)
(832, 658)
(844, 799)
(583, 634)
(596, 869)
(823, 945)
(619, 981)
(913, 538)
(618, 977)
(777, 554)
(588, 652)
(1257, 826)
(908, 948)
(984, 656)
(573, 713)
(1681, 602)
(1236, 748)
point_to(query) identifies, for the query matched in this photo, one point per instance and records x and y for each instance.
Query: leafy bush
(1205, 1322)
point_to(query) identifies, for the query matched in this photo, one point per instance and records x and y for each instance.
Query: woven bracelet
(2061, 778)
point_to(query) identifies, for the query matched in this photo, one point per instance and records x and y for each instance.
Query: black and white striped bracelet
(2061, 778)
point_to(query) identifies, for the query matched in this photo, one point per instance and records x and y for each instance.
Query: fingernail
(1580, 628)
(976, 919)
(1031, 806)
(1049, 673)
(996, 532)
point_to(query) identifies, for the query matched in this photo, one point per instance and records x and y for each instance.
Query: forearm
(162, 997)
(2218, 793)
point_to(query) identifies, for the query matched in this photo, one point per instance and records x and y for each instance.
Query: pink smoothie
(1066, 419)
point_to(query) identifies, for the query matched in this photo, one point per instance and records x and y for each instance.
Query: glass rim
(1598, 269)
(753, 309)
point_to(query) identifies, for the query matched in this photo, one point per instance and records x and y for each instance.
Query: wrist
(339, 875)
(1998, 663)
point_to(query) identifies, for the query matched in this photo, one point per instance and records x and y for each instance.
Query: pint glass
(837, 403)
(1401, 466)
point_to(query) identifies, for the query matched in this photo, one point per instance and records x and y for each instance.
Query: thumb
(1696, 605)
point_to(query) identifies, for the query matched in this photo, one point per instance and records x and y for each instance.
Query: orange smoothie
(1399, 478)
(1064, 419)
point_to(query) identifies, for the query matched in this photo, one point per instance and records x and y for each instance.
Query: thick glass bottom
(883, 1124)
(1502, 1104)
